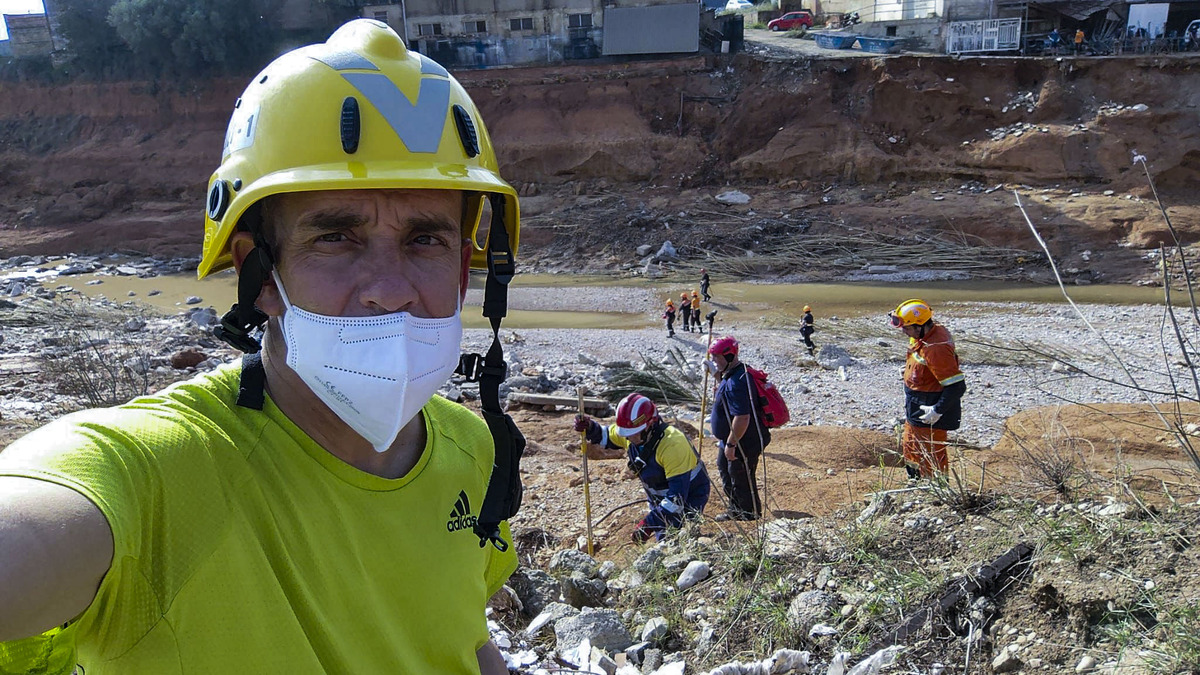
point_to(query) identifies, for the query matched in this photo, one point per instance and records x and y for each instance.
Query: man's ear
(269, 301)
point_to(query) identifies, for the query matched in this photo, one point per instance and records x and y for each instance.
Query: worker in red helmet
(741, 436)
(674, 478)
(934, 385)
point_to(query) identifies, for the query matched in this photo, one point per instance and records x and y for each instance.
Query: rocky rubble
(673, 607)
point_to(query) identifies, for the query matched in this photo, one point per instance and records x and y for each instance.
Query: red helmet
(634, 413)
(724, 346)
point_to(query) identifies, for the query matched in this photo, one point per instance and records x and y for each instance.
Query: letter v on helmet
(418, 125)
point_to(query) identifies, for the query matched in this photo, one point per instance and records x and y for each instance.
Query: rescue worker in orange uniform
(934, 385)
(669, 315)
(696, 312)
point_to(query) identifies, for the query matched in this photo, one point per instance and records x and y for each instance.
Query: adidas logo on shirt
(460, 515)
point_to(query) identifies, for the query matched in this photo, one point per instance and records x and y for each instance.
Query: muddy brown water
(740, 300)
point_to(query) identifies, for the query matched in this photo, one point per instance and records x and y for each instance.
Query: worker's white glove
(670, 506)
(931, 416)
(710, 366)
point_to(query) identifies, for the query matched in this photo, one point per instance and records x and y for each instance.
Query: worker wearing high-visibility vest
(934, 385)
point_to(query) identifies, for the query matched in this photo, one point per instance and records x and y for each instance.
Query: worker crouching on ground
(933, 388)
(315, 507)
(670, 469)
(740, 433)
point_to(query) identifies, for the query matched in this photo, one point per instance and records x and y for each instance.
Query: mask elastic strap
(503, 497)
(287, 303)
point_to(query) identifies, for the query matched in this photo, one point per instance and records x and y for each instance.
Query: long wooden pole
(587, 483)
(704, 394)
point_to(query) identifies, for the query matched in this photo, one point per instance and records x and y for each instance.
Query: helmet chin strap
(504, 491)
(244, 318)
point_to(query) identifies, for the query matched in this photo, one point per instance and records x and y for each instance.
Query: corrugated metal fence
(985, 35)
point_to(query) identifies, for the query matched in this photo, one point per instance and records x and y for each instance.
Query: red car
(792, 21)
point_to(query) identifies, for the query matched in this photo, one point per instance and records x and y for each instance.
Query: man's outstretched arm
(55, 548)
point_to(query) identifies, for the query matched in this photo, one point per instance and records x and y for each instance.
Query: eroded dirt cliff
(123, 166)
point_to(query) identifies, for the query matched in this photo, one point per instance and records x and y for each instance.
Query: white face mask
(375, 372)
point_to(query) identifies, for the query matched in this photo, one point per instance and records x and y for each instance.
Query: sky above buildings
(17, 7)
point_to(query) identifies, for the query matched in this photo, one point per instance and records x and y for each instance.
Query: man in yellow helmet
(807, 329)
(934, 385)
(314, 508)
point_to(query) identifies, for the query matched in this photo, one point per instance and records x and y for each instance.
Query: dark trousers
(687, 318)
(739, 480)
(807, 335)
(671, 325)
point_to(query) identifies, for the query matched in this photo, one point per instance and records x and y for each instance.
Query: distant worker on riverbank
(934, 386)
(674, 478)
(313, 507)
(704, 285)
(696, 312)
(740, 433)
(685, 308)
(807, 329)
(669, 315)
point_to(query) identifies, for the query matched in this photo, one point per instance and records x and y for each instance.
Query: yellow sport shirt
(241, 546)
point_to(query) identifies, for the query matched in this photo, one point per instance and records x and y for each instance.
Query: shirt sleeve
(500, 566)
(617, 440)
(738, 397)
(943, 363)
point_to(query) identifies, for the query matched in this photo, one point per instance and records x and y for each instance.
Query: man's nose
(385, 284)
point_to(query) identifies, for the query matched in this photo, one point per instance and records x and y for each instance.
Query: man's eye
(332, 237)
(427, 240)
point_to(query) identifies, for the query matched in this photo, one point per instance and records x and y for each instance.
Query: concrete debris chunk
(733, 197)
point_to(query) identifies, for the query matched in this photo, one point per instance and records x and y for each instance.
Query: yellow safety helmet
(359, 111)
(671, 302)
(807, 308)
(695, 294)
(912, 312)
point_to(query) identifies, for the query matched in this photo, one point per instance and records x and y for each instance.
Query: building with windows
(481, 33)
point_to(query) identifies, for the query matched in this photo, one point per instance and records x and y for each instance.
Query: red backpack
(772, 410)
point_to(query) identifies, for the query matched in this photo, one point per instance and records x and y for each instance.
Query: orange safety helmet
(670, 302)
(807, 308)
(695, 294)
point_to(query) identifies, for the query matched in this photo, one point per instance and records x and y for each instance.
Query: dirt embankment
(122, 166)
